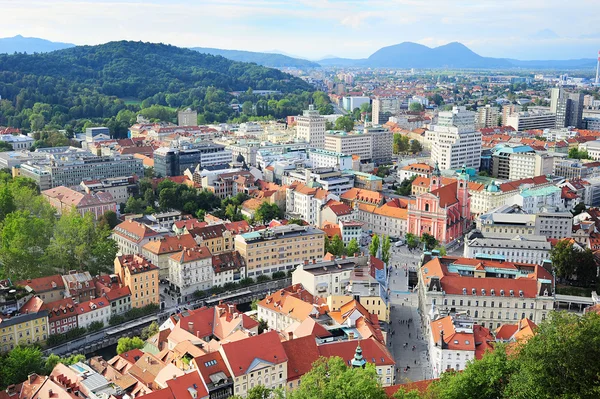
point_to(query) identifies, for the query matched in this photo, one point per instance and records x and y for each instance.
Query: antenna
(598, 69)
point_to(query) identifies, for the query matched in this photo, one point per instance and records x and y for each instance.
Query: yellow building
(24, 329)
(373, 304)
(280, 248)
(367, 181)
(141, 276)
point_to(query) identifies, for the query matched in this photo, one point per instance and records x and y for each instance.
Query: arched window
(426, 207)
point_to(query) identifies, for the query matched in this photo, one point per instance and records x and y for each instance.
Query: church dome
(492, 188)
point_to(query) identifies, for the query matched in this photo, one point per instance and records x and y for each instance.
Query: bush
(262, 278)
(57, 339)
(95, 326)
(246, 282)
(278, 275)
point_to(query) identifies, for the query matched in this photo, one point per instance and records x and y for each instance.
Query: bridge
(110, 335)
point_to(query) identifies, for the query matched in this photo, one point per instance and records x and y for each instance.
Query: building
(531, 120)
(331, 180)
(23, 329)
(169, 161)
(353, 102)
(389, 219)
(141, 276)
(534, 200)
(454, 341)
(454, 140)
(79, 286)
(522, 249)
(575, 169)
(189, 271)
(354, 143)
(93, 311)
(568, 107)
(501, 156)
(350, 230)
(216, 237)
(121, 188)
(71, 170)
(224, 184)
(256, 360)
(63, 199)
(383, 108)
(444, 211)
(279, 248)
(187, 117)
(382, 142)
(228, 267)
(159, 249)
(329, 159)
(487, 117)
(367, 181)
(131, 236)
(93, 134)
(305, 201)
(18, 142)
(48, 289)
(62, 316)
(492, 292)
(522, 165)
(415, 169)
(310, 128)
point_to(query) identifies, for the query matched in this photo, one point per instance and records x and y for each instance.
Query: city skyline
(317, 29)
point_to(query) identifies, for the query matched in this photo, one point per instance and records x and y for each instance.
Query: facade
(228, 267)
(568, 107)
(216, 237)
(63, 199)
(350, 103)
(191, 270)
(279, 248)
(187, 117)
(415, 169)
(525, 164)
(18, 142)
(159, 249)
(141, 276)
(389, 219)
(310, 128)
(350, 229)
(329, 179)
(382, 141)
(490, 292)
(79, 286)
(444, 212)
(93, 311)
(531, 120)
(305, 202)
(501, 159)
(48, 289)
(454, 140)
(534, 200)
(367, 181)
(529, 249)
(487, 117)
(170, 161)
(352, 143)
(23, 329)
(575, 169)
(328, 159)
(131, 236)
(62, 316)
(383, 108)
(121, 188)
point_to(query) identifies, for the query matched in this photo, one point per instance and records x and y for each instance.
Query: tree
(109, 218)
(402, 394)
(441, 249)
(296, 221)
(374, 246)
(7, 202)
(344, 123)
(405, 187)
(200, 215)
(352, 247)
(134, 205)
(254, 304)
(71, 246)
(126, 344)
(262, 326)
(267, 212)
(585, 266)
(329, 125)
(415, 146)
(412, 241)
(95, 326)
(401, 144)
(386, 245)
(260, 392)
(336, 246)
(575, 153)
(562, 258)
(332, 378)
(149, 331)
(415, 107)
(579, 208)
(430, 241)
(19, 363)
(52, 360)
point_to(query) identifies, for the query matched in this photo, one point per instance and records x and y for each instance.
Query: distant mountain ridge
(274, 60)
(30, 45)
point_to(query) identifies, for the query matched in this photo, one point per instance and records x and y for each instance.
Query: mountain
(265, 59)
(30, 45)
(91, 82)
(451, 55)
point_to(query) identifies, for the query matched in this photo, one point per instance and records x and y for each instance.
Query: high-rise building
(382, 143)
(383, 108)
(487, 117)
(508, 110)
(310, 127)
(531, 120)
(568, 107)
(350, 103)
(454, 140)
(187, 118)
(174, 161)
(352, 143)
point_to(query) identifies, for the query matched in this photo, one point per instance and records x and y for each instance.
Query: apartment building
(576, 169)
(159, 249)
(382, 142)
(215, 237)
(534, 200)
(383, 108)
(279, 248)
(305, 202)
(23, 329)
(63, 199)
(93, 311)
(501, 159)
(191, 270)
(353, 143)
(389, 219)
(492, 292)
(487, 117)
(131, 236)
(522, 165)
(351, 102)
(310, 128)
(228, 267)
(48, 289)
(329, 159)
(531, 120)
(454, 140)
(62, 316)
(415, 169)
(121, 188)
(141, 276)
(329, 179)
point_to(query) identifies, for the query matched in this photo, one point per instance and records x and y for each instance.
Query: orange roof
(420, 386)
(266, 347)
(134, 231)
(183, 387)
(293, 301)
(361, 195)
(170, 244)
(44, 284)
(302, 353)
(192, 254)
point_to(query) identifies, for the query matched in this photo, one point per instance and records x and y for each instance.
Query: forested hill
(92, 81)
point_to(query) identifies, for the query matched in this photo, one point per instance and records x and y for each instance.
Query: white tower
(598, 69)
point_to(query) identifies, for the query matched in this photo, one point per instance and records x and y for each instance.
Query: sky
(314, 29)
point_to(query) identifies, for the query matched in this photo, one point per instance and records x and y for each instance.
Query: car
(399, 243)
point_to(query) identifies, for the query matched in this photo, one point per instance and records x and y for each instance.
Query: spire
(358, 361)
(436, 170)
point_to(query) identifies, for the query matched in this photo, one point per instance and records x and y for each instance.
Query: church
(444, 211)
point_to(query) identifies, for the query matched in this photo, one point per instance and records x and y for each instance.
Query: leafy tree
(401, 144)
(374, 246)
(579, 208)
(95, 326)
(261, 392)
(352, 247)
(134, 205)
(52, 360)
(405, 188)
(262, 326)
(386, 245)
(109, 219)
(328, 126)
(415, 107)
(70, 248)
(7, 202)
(19, 363)
(412, 241)
(402, 394)
(149, 331)
(296, 221)
(4, 146)
(254, 304)
(200, 215)
(415, 146)
(441, 249)
(574, 153)
(336, 246)
(126, 344)
(430, 241)
(267, 212)
(331, 378)
(344, 123)
(562, 256)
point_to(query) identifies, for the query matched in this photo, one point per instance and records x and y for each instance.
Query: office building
(454, 140)
(501, 156)
(329, 159)
(530, 249)
(353, 143)
(491, 292)
(328, 179)
(575, 169)
(279, 248)
(383, 108)
(568, 107)
(531, 120)
(382, 142)
(526, 164)
(170, 161)
(310, 128)
(351, 103)
(187, 118)
(18, 142)
(93, 134)
(121, 188)
(486, 117)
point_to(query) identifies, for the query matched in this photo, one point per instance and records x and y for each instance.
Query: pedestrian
(408, 335)
(415, 361)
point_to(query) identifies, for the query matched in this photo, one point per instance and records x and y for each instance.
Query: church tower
(358, 361)
(436, 178)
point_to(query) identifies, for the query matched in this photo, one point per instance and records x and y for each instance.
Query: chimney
(290, 335)
(191, 325)
(305, 262)
(50, 393)
(230, 307)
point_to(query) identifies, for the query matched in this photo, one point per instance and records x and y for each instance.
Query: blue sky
(523, 29)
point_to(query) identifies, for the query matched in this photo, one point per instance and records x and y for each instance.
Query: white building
(592, 148)
(454, 140)
(228, 267)
(310, 128)
(94, 310)
(382, 143)
(523, 249)
(18, 142)
(350, 103)
(350, 229)
(191, 270)
(383, 108)
(305, 202)
(523, 165)
(329, 159)
(530, 120)
(389, 219)
(354, 143)
(534, 200)
(487, 117)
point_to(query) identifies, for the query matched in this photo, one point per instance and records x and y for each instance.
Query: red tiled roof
(44, 284)
(373, 351)
(191, 254)
(301, 353)
(182, 387)
(446, 194)
(420, 386)
(340, 209)
(170, 244)
(266, 347)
